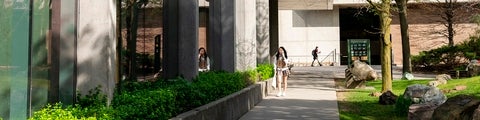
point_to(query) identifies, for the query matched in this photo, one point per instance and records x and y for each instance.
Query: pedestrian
(315, 53)
(203, 60)
(281, 71)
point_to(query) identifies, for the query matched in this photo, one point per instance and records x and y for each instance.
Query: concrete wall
(301, 31)
(245, 35)
(96, 45)
(263, 34)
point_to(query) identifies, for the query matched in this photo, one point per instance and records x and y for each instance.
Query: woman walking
(281, 71)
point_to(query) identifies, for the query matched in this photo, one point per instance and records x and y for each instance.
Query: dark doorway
(356, 23)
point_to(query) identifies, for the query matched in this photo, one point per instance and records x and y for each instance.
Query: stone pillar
(245, 35)
(181, 38)
(263, 32)
(273, 12)
(96, 51)
(221, 35)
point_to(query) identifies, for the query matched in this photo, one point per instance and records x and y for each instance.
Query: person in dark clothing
(315, 53)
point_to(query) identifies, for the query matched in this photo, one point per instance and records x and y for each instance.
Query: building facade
(52, 49)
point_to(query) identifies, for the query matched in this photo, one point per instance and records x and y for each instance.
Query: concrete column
(96, 46)
(245, 35)
(273, 12)
(263, 33)
(221, 35)
(181, 38)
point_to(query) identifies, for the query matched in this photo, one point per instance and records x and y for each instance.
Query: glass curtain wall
(24, 57)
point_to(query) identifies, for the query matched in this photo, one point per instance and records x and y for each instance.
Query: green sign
(358, 49)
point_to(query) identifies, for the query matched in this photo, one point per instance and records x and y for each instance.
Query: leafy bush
(402, 105)
(265, 70)
(56, 112)
(94, 98)
(448, 58)
(89, 107)
(144, 104)
(163, 99)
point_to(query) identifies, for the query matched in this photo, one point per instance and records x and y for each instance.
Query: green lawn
(358, 105)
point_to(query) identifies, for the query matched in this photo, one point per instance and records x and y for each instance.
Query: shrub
(56, 112)
(94, 98)
(441, 59)
(91, 107)
(402, 105)
(265, 70)
(144, 104)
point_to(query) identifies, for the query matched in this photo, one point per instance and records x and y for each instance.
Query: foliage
(402, 105)
(94, 98)
(144, 104)
(90, 107)
(447, 58)
(359, 105)
(163, 99)
(265, 70)
(56, 112)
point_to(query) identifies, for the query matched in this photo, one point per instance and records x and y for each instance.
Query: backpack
(313, 52)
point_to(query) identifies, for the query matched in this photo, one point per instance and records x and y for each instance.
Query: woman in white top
(203, 60)
(281, 71)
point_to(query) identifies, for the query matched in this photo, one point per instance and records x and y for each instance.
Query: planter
(230, 107)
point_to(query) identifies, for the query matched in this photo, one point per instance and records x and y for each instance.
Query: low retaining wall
(231, 107)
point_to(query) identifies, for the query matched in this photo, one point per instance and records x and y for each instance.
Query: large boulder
(443, 78)
(420, 94)
(421, 111)
(461, 107)
(387, 98)
(362, 71)
(473, 68)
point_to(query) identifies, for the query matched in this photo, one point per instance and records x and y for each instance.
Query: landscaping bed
(357, 104)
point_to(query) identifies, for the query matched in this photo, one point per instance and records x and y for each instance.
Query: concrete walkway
(310, 95)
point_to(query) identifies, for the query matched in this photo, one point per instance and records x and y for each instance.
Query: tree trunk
(132, 42)
(119, 44)
(449, 14)
(402, 7)
(386, 53)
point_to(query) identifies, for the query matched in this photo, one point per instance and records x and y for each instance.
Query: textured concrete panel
(245, 35)
(96, 46)
(263, 31)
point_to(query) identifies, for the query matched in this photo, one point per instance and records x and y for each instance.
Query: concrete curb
(230, 107)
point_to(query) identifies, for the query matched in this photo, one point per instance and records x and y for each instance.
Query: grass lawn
(358, 105)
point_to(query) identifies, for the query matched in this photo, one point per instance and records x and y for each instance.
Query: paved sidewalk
(310, 95)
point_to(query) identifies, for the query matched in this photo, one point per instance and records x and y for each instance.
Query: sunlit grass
(358, 105)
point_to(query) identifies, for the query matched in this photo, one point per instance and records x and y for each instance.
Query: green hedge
(448, 58)
(159, 100)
